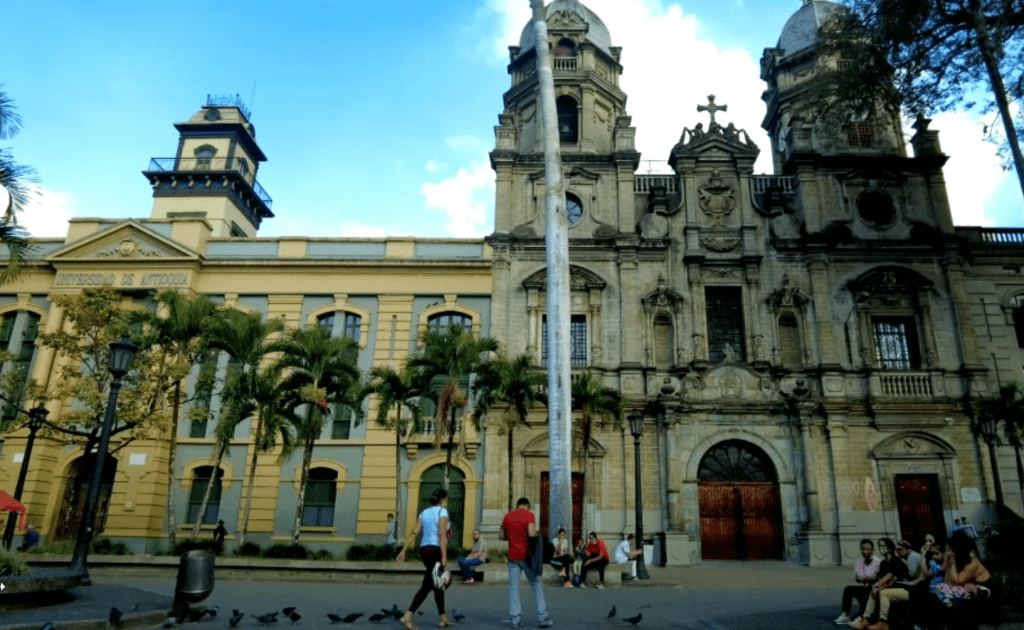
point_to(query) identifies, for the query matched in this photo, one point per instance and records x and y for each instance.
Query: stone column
(821, 291)
(630, 314)
(965, 332)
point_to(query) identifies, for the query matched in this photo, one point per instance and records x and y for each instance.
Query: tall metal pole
(556, 244)
(994, 463)
(641, 564)
(85, 530)
(36, 418)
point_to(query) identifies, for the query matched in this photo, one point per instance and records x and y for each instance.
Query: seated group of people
(941, 583)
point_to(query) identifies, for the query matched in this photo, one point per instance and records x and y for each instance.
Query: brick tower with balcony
(213, 174)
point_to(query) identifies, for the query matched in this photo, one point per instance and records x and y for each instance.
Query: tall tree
(323, 372)
(517, 383)
(16, 193)
(247, 339)
(395, 390)
(449, 356)
(597, 405)
(1007, 406)
(177, 332)
(936, 53)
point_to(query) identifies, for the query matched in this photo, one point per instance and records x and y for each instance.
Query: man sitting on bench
(623, 555)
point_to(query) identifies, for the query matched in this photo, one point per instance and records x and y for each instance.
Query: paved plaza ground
(711, 596)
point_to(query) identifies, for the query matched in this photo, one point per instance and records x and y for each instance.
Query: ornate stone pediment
(123, 242)
(540, 447)
(731, 382)
(913, 445)
(579, 279)
(890, 279)
(788, 296)
(662, 297)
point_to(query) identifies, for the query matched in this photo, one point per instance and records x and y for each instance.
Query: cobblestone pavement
(711, 596)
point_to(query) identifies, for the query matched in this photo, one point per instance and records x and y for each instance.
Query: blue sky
(376, 117)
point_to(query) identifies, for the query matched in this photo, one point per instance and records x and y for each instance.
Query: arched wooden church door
(740, 506)
(432, 479)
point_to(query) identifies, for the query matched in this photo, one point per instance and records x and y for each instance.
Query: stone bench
(497, 573)
(44, 581)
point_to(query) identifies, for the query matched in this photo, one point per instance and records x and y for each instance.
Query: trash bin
(195, 581)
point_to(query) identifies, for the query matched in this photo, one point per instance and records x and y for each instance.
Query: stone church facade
(804, 345)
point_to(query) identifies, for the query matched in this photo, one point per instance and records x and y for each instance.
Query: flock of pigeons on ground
(292, 614)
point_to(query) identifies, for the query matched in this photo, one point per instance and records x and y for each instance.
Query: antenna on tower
(253, 96)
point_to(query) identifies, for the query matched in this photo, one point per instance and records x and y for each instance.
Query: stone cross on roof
(711, 108)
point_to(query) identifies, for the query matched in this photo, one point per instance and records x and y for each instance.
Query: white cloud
(432, 167)
(464, 143)
(464, 199)
(48, 216)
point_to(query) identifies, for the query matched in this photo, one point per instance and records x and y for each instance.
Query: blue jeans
(467, 564)
(515, 567)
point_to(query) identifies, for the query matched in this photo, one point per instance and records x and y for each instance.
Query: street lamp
(636, 427)
(990, 431)
(36, 420)
(122, 352)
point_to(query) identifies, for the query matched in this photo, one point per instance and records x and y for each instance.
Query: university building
(805, 345)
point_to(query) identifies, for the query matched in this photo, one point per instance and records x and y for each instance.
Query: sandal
(445, 623)
(406, 622)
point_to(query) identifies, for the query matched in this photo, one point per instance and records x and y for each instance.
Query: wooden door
(740, 521)
(919, 503)
(577, 506)
(720, 521)
(432, 479)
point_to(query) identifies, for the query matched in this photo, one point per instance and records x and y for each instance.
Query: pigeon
(378, 617)
(295, 617)
(265, 619)
(458, 617)
(351, 618)
(634, 620)
(196, 614)
(288, 611)
(168, 623)
(612, 612)
(213, 611)
(334, 618)
(394, 612)
(236, 618)
(115, 616)
(49, 626)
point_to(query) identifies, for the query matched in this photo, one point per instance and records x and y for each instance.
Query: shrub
(370, 553)
(497, 554)
(65, 548)
(321, 554)
(105, 546)
(294, 551)
(12, 564)
(249, 550)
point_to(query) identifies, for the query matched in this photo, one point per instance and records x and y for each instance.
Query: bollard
(195, 581)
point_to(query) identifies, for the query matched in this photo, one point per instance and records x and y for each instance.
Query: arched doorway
(76, 492)
(740, 505)
(432, 479)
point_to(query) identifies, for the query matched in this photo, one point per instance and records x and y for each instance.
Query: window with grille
(341, 424)
(895, 343)
(353, 323)
(568, 120)
(860, 135)
(725, 324)
(204, 156)
(577, 340)
(321, 491)
(326, 321)
(200, 482)
(439, 322)
(18, 332)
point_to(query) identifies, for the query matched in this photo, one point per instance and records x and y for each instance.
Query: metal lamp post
(36, 419)
(636, 427)
(990, 431)
(122, 352)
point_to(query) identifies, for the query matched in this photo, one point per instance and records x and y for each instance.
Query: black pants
(596, 564)
(859, 592)
(563, 562)
(431, 555)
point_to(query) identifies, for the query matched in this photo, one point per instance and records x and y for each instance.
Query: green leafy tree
(16, 189)
(322, 372)
(1007, 407)
(596, 405)
(443, 368)
(930, 55)
(177, 334)
(247, 339)
(395, 390)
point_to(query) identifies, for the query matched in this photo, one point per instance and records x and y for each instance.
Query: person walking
(433, 522)
(518, 527)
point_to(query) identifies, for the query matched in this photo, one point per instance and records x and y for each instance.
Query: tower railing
(761, 183)
(565, 64)
(993, 236)
(211, 166)
(642, 184)
(228, 100)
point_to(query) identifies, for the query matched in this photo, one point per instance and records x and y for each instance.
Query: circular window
(573, 208)
(212, 114)
(876, 209)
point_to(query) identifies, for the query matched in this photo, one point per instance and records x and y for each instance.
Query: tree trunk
(221, 447)
(510, 477)
(252, 478)
(307, 457)
(398, 476)
(451, 446)
(998, 88)
(172, 525)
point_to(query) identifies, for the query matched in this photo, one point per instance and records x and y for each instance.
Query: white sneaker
(600, 585)
(842, 619)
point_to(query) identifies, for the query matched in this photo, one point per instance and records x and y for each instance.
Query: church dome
(597, 33)
(801, 30)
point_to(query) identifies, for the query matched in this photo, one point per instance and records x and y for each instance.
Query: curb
(133, 621)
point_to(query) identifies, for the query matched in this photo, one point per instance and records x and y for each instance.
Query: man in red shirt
(595, 557)
(517, 528)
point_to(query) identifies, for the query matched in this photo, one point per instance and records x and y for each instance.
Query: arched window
(321, 492)
(789, 340)
(204, 156)
(565, 48)
(736, 460)
(439, 322)
(18, 332)
(200, 482)
(432, 479)
(568, 120)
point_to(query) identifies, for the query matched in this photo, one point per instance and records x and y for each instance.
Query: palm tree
(517, 384)
(449, 356)
(235, 411)
(179, 333)
(323, 371)
(597, 405)
(245, 337)
(395, 389)
(16, 179)
(1008, 406)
